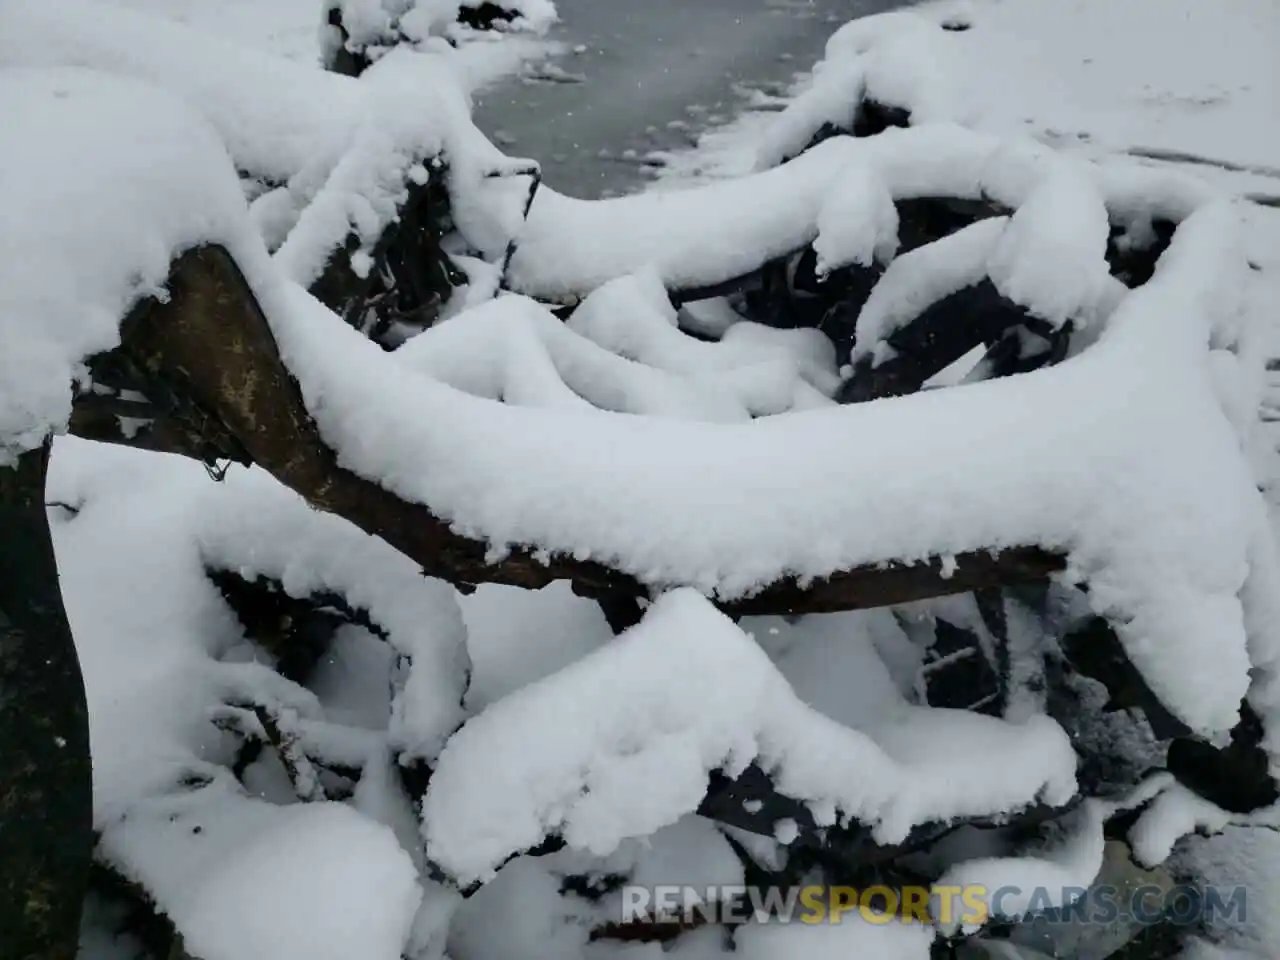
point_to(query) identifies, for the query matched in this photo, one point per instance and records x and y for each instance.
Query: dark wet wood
(46, 787)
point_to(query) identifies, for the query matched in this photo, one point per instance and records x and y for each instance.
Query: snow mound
(243, 878)
(1052, 262)
(857, 223)
(374, 26)
(170, 523)
(416, 116)
(275, 116)
(1098, 469)
(1177, 812)
(1043, 881)
(337, 154)
(900, 60)
(84, 248)
(651, 714)
(514, 350)
(164, 656)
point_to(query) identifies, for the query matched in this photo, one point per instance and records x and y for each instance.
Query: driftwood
(46, 788)
(209, 351)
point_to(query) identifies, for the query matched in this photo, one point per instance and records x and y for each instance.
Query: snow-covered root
(622, 351)
(686, 693)
(895, 61)
(569, 247)
(1070, 865)
(1176, 812)
(168, 669)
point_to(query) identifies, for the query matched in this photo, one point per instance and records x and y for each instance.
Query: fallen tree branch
(210, 345)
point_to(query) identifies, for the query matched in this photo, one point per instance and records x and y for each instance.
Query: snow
(1087, 77)
(1240, 857)
(285, 28)
(1051, 258)
(619, 438)
(530, 765)
(1123, 458)
(64, 285)
(275, 116)
(569, 247)
(1095, 73)
(1041, 881)
(1177, 812)
(895, 59)
(853, 936)
(518, 636)
(691, 852)
(416, 112)
(622, 352)
(537, 15)
(341, 152)
(632, 317)
(253, 527)
(217, 855)
(858, 223)
(1172, 815)
(162, 654)
(521, 915)
(276, 535)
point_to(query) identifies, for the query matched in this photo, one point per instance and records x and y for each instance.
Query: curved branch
(211, 345)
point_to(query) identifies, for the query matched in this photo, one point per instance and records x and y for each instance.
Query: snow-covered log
(212, 342)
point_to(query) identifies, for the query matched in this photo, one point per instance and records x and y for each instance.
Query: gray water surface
(646, 75)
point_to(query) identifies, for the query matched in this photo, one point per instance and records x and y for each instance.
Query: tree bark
(46, 786)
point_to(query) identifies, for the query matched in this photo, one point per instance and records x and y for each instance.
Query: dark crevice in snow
(943, 333)
(485, 15)
(295, 631)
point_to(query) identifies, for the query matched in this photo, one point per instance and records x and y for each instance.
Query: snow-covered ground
(719, 467)
(1166, 77)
